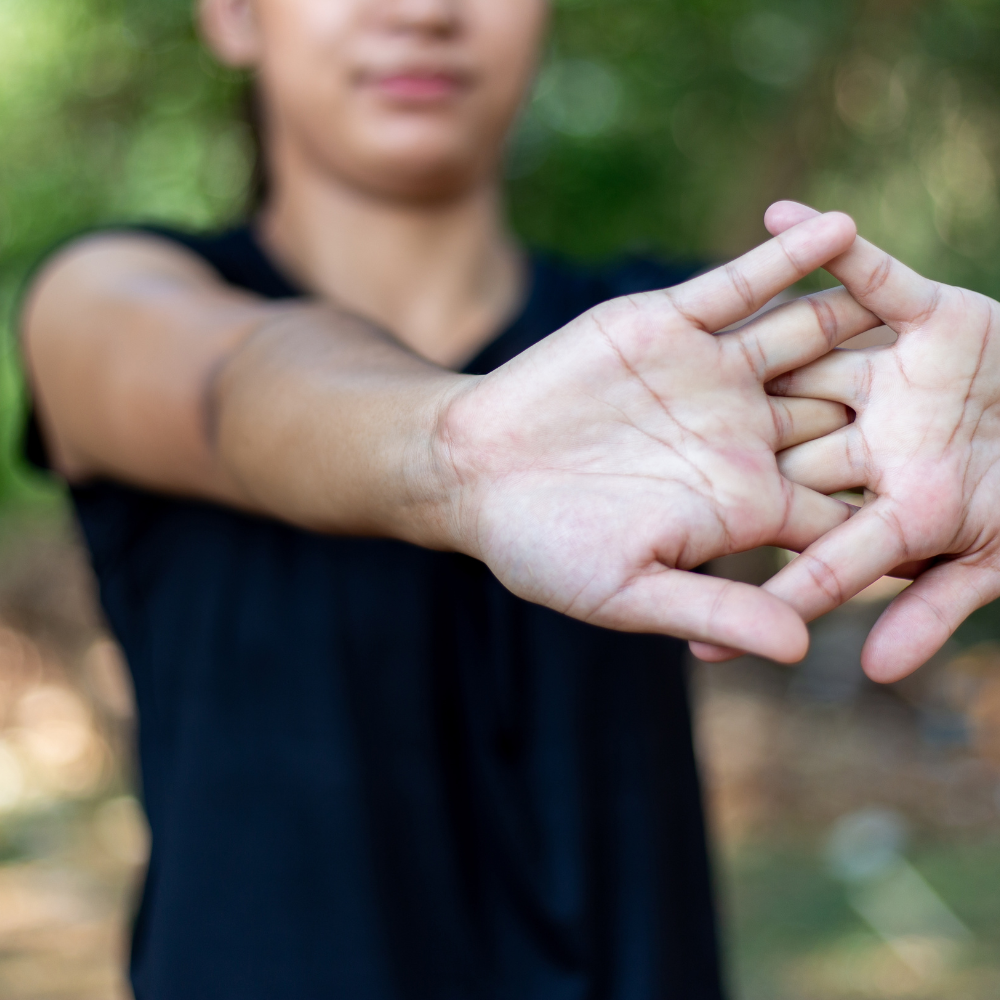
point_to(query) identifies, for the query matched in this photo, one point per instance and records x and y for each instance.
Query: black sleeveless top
(371, 772)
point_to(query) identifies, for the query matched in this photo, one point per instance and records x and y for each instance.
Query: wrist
(440, 506)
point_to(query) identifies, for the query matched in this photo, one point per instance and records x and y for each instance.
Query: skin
(385, 122)
(592, 473)
(925, 445)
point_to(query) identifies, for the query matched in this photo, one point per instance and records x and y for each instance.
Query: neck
(442, 277)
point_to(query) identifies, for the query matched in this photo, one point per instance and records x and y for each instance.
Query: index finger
(730, 293)
(891, 290)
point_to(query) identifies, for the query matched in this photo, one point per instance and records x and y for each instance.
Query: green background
(662, 126)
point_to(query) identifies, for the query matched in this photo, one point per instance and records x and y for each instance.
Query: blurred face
(403, 98)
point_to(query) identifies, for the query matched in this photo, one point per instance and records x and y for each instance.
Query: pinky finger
(924, 616)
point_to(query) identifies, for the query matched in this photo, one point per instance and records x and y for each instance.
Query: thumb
(783, 215)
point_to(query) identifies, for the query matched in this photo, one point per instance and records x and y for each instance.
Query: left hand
(926, 442)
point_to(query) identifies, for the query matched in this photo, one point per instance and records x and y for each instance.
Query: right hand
(599, 468)
(925, 445)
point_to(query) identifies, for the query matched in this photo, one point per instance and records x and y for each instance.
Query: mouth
(417, 87)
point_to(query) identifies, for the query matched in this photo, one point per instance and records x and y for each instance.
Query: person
(370, 769)
(365, 554)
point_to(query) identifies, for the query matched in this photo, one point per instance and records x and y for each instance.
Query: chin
(419, 175)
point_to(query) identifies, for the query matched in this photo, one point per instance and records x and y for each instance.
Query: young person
(386, 749)
(369, 769)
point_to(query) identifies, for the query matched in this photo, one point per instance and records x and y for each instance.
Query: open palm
(926, 443)
(604, 464)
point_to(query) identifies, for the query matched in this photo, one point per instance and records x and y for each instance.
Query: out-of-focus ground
(72, 837)
(857, 827)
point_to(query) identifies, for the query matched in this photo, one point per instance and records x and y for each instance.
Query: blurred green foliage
(794, 935)
(664, 126)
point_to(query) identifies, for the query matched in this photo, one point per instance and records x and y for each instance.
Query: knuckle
(879, 276)
(825, 578)
(741, 286)
(826, 319)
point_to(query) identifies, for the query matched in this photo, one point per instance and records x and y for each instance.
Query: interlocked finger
(878, 281)
(842, 376)
(728, 294)
(799, 420)
(897, 293)
(810, 515)
(828, 464)
(801, 331)
(842, 563)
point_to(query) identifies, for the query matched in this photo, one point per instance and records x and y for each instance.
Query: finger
(911, 570)
(711, 653)
(924, 616)
(809, 516)
(714, 654)
(842, 376)
(880, 336)
(783, 215)
(737, 290)
(842, 563)
(708, 609)
(828, 464)
(800, 420)
(878, 281)
(798, 332)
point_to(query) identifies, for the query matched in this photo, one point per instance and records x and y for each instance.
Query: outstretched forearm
(325, 421)
(148, 370)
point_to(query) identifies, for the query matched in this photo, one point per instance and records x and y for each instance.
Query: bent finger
(798, 332)
(727, 294)
(841, 563)
(783, 215)
(897, 293)
(828, 464)
(800, 420)
(924, 616)
(810, 515)
(842, 376)
(708, 609)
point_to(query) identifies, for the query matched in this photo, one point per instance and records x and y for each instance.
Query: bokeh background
(857, 828)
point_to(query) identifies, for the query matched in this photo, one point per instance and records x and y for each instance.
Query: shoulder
(110, 259)
(235, 255)
(100, 262)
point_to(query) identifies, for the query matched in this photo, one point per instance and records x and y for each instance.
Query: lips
(418, 87)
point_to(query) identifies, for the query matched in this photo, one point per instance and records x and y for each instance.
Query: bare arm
(147, 368)
(590, 473)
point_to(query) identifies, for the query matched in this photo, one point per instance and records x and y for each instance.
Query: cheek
(304, 46)
(298, 25)
(507, 38)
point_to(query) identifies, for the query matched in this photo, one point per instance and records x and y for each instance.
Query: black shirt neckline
(472, 366)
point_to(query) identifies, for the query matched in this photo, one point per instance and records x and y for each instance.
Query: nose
(438, 18)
